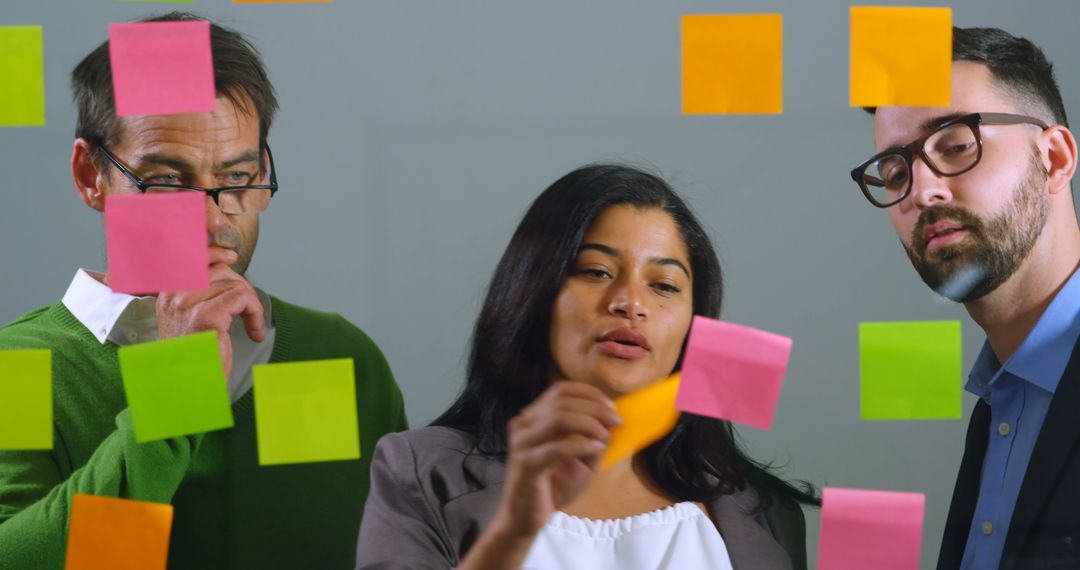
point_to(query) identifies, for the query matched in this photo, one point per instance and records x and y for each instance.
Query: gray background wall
(413, 135)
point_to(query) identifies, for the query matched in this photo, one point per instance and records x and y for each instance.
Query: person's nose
(628, 300)
(928, 188)
(215, 218)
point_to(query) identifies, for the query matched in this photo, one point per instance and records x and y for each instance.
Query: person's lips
(943, 234)
(624, 343)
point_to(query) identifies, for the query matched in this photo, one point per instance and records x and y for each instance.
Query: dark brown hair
(1016, 64)
(239, 75)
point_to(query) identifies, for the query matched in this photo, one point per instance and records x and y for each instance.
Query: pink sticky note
(160, 68)
(157, 242)
(733, 372)
(870, 529)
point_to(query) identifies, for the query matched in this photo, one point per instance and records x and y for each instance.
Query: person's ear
(89, 181)
(1059, 158)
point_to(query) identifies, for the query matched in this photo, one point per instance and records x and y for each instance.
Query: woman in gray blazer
(592, 299)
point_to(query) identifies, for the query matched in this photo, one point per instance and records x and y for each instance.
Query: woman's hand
(555, 445)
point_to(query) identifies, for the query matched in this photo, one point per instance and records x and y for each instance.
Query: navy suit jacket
(1045, 530)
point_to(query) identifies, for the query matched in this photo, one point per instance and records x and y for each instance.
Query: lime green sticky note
(910, 370)
(306, 411)
(22, 77)
(26, 407)
(175, 387)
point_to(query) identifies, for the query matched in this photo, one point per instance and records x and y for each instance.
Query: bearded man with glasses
(979, 193)
(229, 511)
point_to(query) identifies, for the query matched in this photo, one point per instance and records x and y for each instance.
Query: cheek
(566, 321)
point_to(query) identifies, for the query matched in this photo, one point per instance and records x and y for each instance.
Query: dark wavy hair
(510, 360)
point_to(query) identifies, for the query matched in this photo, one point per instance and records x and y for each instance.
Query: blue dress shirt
(1019, 394)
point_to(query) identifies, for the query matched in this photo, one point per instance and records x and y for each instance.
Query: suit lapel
(1058, 436)
(966, 493)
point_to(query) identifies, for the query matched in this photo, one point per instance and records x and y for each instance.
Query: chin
(620, 383)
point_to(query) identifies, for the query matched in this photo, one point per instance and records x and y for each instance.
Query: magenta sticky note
(733, 372)
(157, 242)
(870, 529)
(161, 68)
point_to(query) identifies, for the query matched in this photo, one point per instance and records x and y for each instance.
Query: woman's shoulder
(441, 458)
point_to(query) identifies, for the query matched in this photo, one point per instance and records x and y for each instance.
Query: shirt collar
(1044, 354)
(96, 306)
(122, 318)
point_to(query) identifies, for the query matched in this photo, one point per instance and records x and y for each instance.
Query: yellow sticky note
(900, 56)
(306, 411)
(647, 414)
(26, 406)
(22, 77)
(732, 64)
(118, 534)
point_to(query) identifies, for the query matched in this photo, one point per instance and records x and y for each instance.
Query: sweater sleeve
(402, 528)
(35, 500)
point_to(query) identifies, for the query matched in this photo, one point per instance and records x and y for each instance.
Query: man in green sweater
(229, 511)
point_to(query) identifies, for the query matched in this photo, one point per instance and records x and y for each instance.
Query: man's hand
(229, 295)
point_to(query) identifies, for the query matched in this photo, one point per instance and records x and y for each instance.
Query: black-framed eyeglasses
(233, 200)
(952, 149)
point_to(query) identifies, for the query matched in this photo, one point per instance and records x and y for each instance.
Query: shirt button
(987, 527)
(1004, 429)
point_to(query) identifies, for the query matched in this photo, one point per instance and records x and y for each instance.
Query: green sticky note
(22, 77)
(26, 410)
(910, 370)
(306, 411)
(175, 387)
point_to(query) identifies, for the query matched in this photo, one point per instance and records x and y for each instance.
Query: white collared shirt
(125, 320)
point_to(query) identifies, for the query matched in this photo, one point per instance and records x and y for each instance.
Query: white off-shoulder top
(677, 537)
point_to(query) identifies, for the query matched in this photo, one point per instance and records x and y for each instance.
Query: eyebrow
(929, 125)
(935, 122)
(616, 253)
(185, 166)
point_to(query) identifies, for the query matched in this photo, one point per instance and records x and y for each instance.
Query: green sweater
(229, 511)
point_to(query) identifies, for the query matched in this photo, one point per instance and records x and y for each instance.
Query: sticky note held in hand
(306, 411)
(117, 534)
(157, 242)
(175, 387)
(732, 64)
(22, 69)
(26, 405)
(162, 68)
(870, 529)
(900, 56)
(647, 414)
(733, 372)
(910, 370)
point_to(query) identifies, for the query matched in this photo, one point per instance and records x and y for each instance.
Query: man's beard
(992, 251)
(230, 238)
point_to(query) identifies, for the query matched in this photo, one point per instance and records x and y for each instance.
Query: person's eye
(172, 179)
(665, 287)
(895, 178)
(959, 148)
(593, 273)
(238, 178)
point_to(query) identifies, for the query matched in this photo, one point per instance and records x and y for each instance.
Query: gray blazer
(431, 498)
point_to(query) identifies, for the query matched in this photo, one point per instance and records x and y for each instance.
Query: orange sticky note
(900, 56)
(732, 64)
(647, 414)
(118, 534)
